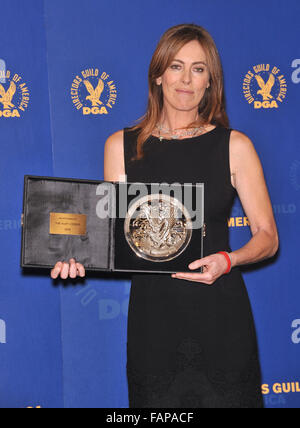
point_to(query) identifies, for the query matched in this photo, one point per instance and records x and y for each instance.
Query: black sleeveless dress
(191, 345)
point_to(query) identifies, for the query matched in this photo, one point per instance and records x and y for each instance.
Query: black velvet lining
(41, 249)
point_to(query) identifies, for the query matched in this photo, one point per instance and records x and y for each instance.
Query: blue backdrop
(64, 344)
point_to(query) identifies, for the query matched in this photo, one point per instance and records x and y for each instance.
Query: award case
(61, 220)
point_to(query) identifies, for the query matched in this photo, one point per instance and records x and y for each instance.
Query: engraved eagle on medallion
(158, 227)
(265, 88)
(160, 231)
(95, 94)
(7, 96)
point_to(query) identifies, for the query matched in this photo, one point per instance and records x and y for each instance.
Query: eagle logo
(95, 94)
(6, 97)
(265, 88)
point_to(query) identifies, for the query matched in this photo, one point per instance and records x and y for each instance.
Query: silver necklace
(175, 135)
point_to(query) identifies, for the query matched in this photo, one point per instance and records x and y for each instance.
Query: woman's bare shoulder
(241, 145)
(239, 141)
(114, 167)
(242, 151)
(115, 140)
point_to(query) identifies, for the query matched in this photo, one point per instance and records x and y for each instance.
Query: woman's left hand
(214, 265)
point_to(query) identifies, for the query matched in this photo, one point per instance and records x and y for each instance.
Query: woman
(191, 336)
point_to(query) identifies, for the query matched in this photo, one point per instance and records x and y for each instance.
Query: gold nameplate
(67, 224)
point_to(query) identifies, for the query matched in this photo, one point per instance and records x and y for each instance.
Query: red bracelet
(228, 260)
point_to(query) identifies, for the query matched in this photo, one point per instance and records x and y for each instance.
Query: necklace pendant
(192, 132)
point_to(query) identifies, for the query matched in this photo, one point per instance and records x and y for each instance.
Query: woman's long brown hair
(212, 106)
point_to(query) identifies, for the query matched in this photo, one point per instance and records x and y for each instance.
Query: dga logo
(14, 95)
(264, 87)
(93, 92)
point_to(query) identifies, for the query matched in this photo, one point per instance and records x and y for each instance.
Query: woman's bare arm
(249, 181)
(114, 167)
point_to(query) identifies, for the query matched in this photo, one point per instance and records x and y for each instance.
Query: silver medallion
(158, 227)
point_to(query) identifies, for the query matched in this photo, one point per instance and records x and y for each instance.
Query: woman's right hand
(66, 270)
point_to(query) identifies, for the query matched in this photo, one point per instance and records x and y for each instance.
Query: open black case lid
(63, 218)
